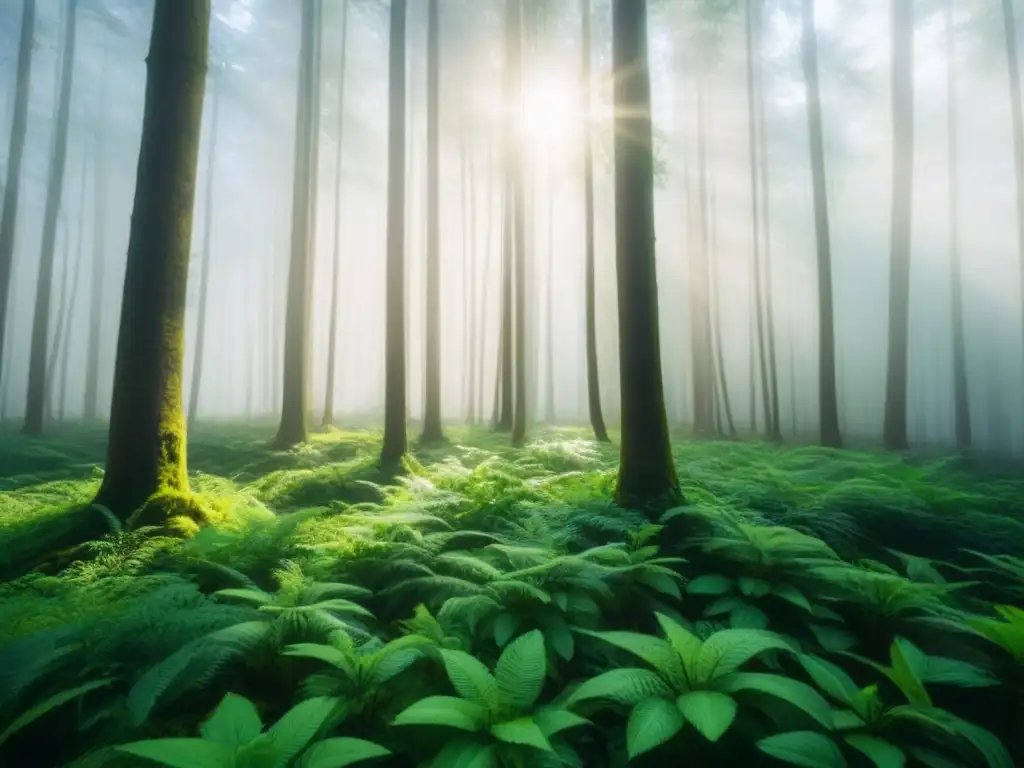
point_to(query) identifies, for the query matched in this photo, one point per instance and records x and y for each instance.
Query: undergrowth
(491, 607)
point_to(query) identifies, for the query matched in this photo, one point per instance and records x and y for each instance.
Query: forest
(511, 383)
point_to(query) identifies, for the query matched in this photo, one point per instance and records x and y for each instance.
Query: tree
(147, 436)
(395, 440)
(294, 396)
(37, 373)
(593, 380)
(962, 408)
(204, 275)
(514, 20)
(432, 406)
(505, 385)
(15, 152)
(646, 472)
(99, 247)
(894, 433)
(332, 336)
(828, 404)
(1017, 110)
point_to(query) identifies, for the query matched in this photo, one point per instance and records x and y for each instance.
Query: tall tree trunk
(700, 318)
(755, 233)
(493, 256)
(204, 274)
(509, 239)
(293, 429)
(647, 475)
(62, 337)
(1013, 67)
(515, 36)
(53, 348)
(432, 431)
(99, 248)
(332, 334)
(549, 289)
(473, 318)
(15, 152)
(37, 373)
(895, 427)
(960, 398)
(716, 309)
(146, 447)
(395, 441)
(593, 378)
(828, 404)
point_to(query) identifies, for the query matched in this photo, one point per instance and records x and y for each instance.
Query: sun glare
(552, 115)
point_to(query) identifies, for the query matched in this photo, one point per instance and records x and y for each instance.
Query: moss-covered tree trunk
(35, 407)
(395, 439)
(647, 476)
(961, 403)
(146, 448)
(99, 247)
(593, 377)
(895, 425)
(295, 392)
(204, 274)
(15, 152)
(332, 334)
(432, 403)
(828, 404)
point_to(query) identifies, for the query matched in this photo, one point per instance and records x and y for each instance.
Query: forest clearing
(511, 384)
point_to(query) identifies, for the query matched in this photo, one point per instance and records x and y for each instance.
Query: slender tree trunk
(1013, 67)
(593, 377)
(895, 427)
(394, 446)
(293, 429)
(647, 475)
(99, 247)
(755, 234)
(960, 398)
(473, 317)
(518, 193)
(549, 394)
(332, 334)
(493, 257)
(716, 308)
(700, 318)
(15, 153)
(37, 373)
(828, 404)
(53, 348)
(432, 431)
(65, 326)
(509, 239)
(204, 274)
(146, 447)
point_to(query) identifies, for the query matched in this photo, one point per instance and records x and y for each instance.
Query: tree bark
(647, 475)
(828, 405)
(146, 447)
(549, 290)
(204, 274)
(99, 247)
(895, 426)
(515, 33)
(395, 440)
(332, 336)
(962, 407)
(37, 373)
(15, 153)
(432, 431)
(509, 240)
(702, 354)
(716, 305)
(1013, 67)
(473, 318)
(294, 397)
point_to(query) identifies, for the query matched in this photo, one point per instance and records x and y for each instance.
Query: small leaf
(904, 659)
(505, 627)
(710, 584)
(833, 639)
(746, 616)
(521, 670)
(341, 752)
(752, 587)
(803, 748)
(685, 643)
(182, 753)
(726, 651)
(233, 723)
(830, 678)
(652, 722)
(521, 731)
(553, 721)
(662, 582)
(884, 754)
(710, 712)
(792, 595)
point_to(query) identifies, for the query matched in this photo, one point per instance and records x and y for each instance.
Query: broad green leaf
(505, 627)
(49, 704)
(233, 723)
(833, 639)
(471, 679)
(338, 605)
(710, 712)
(467, 753)
(752, 587)
(722, 606)
(552, 721)
(710, 584)
(628, 686)
(655, 651)
(652, 722)
(830, 678)
(685, 643)
(251, 596)
(521, 669)
(320, 652)
(884, 754)
(791, 594)
(444, 710)
(182, 753)
(390, 664)
(984, 741)
(746, 616)
(868, 704)
(800, 695)
(933, 759)
(937, 669)
(558, 636)
(299, 725)
(726, 651)
(903, 674)
(521, 731)
(662, 582)
(340, 752)
(803, 748)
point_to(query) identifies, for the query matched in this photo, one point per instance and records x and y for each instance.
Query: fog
(254, 65)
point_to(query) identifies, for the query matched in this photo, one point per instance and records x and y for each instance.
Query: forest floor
(839, 552)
